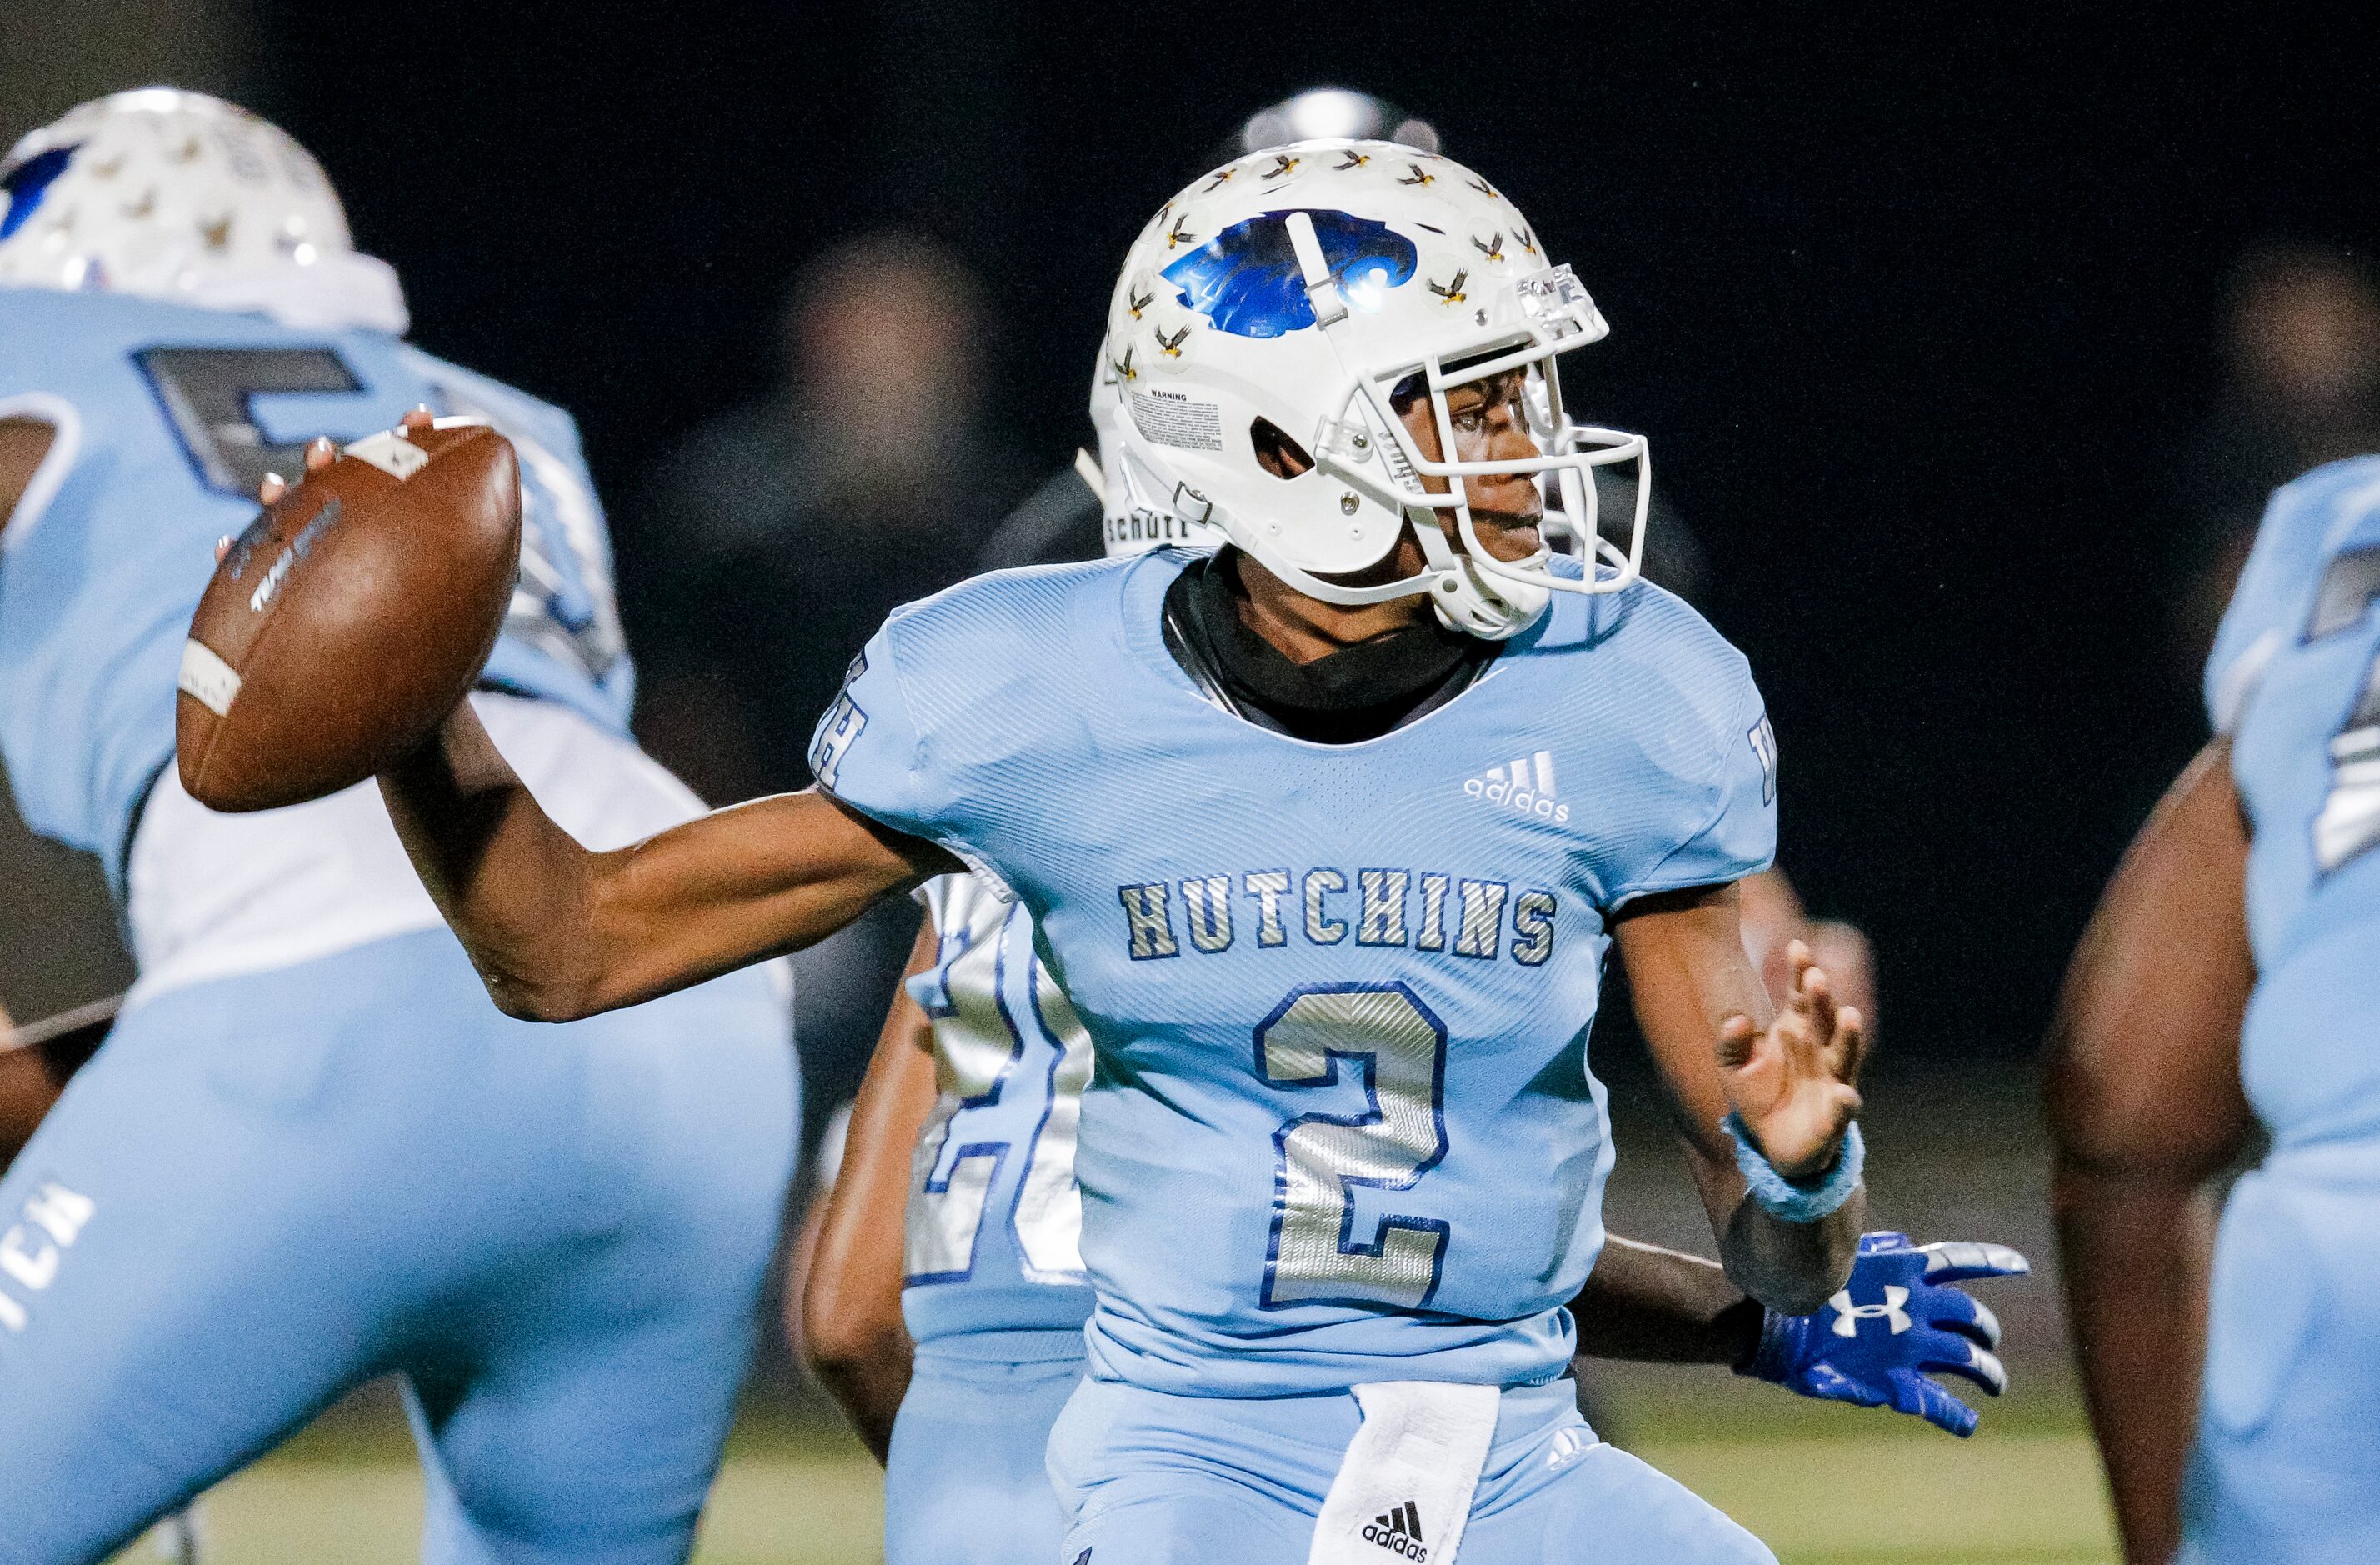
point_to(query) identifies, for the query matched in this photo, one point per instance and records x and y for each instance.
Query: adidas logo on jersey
(1398, 1531)
(1525, 785)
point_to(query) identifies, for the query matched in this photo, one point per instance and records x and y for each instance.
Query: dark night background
(1917, 313)
(1912, 312)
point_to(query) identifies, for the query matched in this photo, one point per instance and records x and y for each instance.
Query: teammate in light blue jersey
(962, 1140)
(948, 1280)
(1324, 838)
(2231, 983)
(309, 1154)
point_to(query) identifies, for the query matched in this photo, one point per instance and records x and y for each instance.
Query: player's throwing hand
(1793, 1084)
(321, 452)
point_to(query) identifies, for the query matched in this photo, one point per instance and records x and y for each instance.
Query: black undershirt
(1360, 692)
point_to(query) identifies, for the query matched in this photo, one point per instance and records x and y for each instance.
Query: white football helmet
(1298, 287)
(178, 196)
(1137, 511)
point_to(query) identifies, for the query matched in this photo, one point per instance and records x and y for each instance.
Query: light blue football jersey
(993, 1243)
(169, 416)
(1341, 1126)
(2295, 681)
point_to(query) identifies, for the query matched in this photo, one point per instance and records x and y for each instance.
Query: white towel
(1404, 1491)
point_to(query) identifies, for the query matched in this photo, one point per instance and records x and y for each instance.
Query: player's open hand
(1794, 1086)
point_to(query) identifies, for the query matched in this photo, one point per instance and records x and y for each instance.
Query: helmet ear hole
(1276, 453)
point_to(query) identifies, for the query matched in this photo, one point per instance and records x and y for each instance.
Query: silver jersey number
(1316, 1253)
(977, 1049)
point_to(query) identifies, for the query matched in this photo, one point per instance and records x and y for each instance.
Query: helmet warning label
(1168, 418)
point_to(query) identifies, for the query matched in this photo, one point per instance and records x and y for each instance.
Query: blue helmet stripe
(28, 182)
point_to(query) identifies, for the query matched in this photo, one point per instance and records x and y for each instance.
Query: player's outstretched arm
(1900, 1320)
(557, 932)
(1647, 1305)
(1786, 1076)
(851, 1335)
(2145, 1108)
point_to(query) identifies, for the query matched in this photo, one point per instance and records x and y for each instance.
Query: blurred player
(310, 1153)
(2230, 985)
(953, 1228)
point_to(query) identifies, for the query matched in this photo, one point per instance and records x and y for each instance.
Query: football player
(2227, 988)
(1066, 519)
(946, 1295)
(1325, 836)
(311, 1153)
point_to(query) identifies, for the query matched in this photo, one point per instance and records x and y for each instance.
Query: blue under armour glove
(1898, 1321)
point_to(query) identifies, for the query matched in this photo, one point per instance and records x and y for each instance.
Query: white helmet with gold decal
(1284, 298)
(178, 196)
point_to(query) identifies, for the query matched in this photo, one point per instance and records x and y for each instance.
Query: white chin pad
(1491, 608)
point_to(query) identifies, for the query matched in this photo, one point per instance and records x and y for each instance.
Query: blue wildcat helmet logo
(26, 183)
(1246, 280)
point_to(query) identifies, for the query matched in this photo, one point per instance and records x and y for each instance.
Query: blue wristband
(1784, 1198)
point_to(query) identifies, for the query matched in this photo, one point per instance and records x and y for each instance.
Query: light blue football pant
(2287, 1468)
(967, 1481)
(267, 1189)
(1153, 1479)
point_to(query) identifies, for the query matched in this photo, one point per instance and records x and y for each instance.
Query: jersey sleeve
(867, 751)
(1729, 828)
(2261, 617)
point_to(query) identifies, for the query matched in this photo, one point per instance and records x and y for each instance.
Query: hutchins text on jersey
(1458, 916)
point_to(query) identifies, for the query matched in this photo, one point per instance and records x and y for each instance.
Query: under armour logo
(1848, 1314)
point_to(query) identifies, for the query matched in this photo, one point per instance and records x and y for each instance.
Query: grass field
(1824, 1487)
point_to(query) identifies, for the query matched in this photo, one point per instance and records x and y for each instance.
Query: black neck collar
(1359, 693)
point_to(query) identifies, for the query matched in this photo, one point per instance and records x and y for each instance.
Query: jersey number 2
(1316, 1253)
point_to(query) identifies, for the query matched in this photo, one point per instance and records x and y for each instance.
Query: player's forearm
(1792, 1267)
(861, 1355)
(1659, 1306)
(867, 1381)
(558, 933)
(853, 1335)
(2135, 1254)
(515, 886)
(2145, 1107)
(1704, 1015)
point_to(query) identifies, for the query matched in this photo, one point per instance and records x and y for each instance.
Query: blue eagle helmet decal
(1246, 280)
(26, 183)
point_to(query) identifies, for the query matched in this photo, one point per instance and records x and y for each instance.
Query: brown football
(349, 618)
